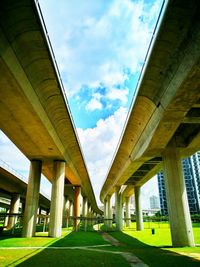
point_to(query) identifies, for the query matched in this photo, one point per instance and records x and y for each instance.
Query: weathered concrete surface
(168, 101)
(34, 113)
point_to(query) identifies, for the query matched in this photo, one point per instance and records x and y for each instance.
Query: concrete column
(128, 219)
(14, 208)
(70, 208)
(105, 212)
(85, 212)
(118, 209)
(70, 212)
(32, 199)
(90, 214)
(138, 209)
(77, 198)
(57, 195)
(39, 212)
(6, 218)
(85, 207)
(109, 211)
(64, 221)
(179, 215)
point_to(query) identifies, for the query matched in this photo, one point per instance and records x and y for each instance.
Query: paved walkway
(131, 258)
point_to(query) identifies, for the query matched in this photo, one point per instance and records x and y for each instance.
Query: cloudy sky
(100, 46)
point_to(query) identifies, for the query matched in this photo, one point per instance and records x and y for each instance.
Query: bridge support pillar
(85, 211)
(85, 206)
(118, 209)
(57, 195)
(138, 209)
(128, 220)
(70, 208)
(64, 219)
(179, 214)
(32, 199)
(105, 212)
(14, 208)
(109, 211)
(71, 212)
(6, 218)
(77, 198)
(89, 215)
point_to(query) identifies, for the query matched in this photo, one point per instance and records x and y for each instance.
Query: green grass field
(155, 250)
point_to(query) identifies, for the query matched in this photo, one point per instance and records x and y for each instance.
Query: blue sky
(100, 47)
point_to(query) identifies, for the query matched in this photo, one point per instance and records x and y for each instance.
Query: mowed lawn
(56, 252)
(155, 250)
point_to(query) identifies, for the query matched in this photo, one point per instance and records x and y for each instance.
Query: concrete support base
(118, 209)
(14, 208)
(32, 199)
(179, 215)
(138, 209)
(57, 195)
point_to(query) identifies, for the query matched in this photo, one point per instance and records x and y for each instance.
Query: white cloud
(94, 103)
(13, 156)
(118, 94)
(99, 145)
(106, 38)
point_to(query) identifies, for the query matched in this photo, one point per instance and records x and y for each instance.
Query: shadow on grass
(54, 255)
(58, 255)
(154, 256)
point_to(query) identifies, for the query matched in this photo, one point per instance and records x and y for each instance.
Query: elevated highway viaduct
(163, 125)
(13, 188)
(35, 115)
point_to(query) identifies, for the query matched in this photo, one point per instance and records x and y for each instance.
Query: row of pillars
(179, 214)
(119, 210)
(58, 202)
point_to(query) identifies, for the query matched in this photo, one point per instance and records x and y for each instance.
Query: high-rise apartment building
(191, 170)
(154, 202)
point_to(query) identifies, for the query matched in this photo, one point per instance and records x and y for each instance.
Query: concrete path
(131, 258)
